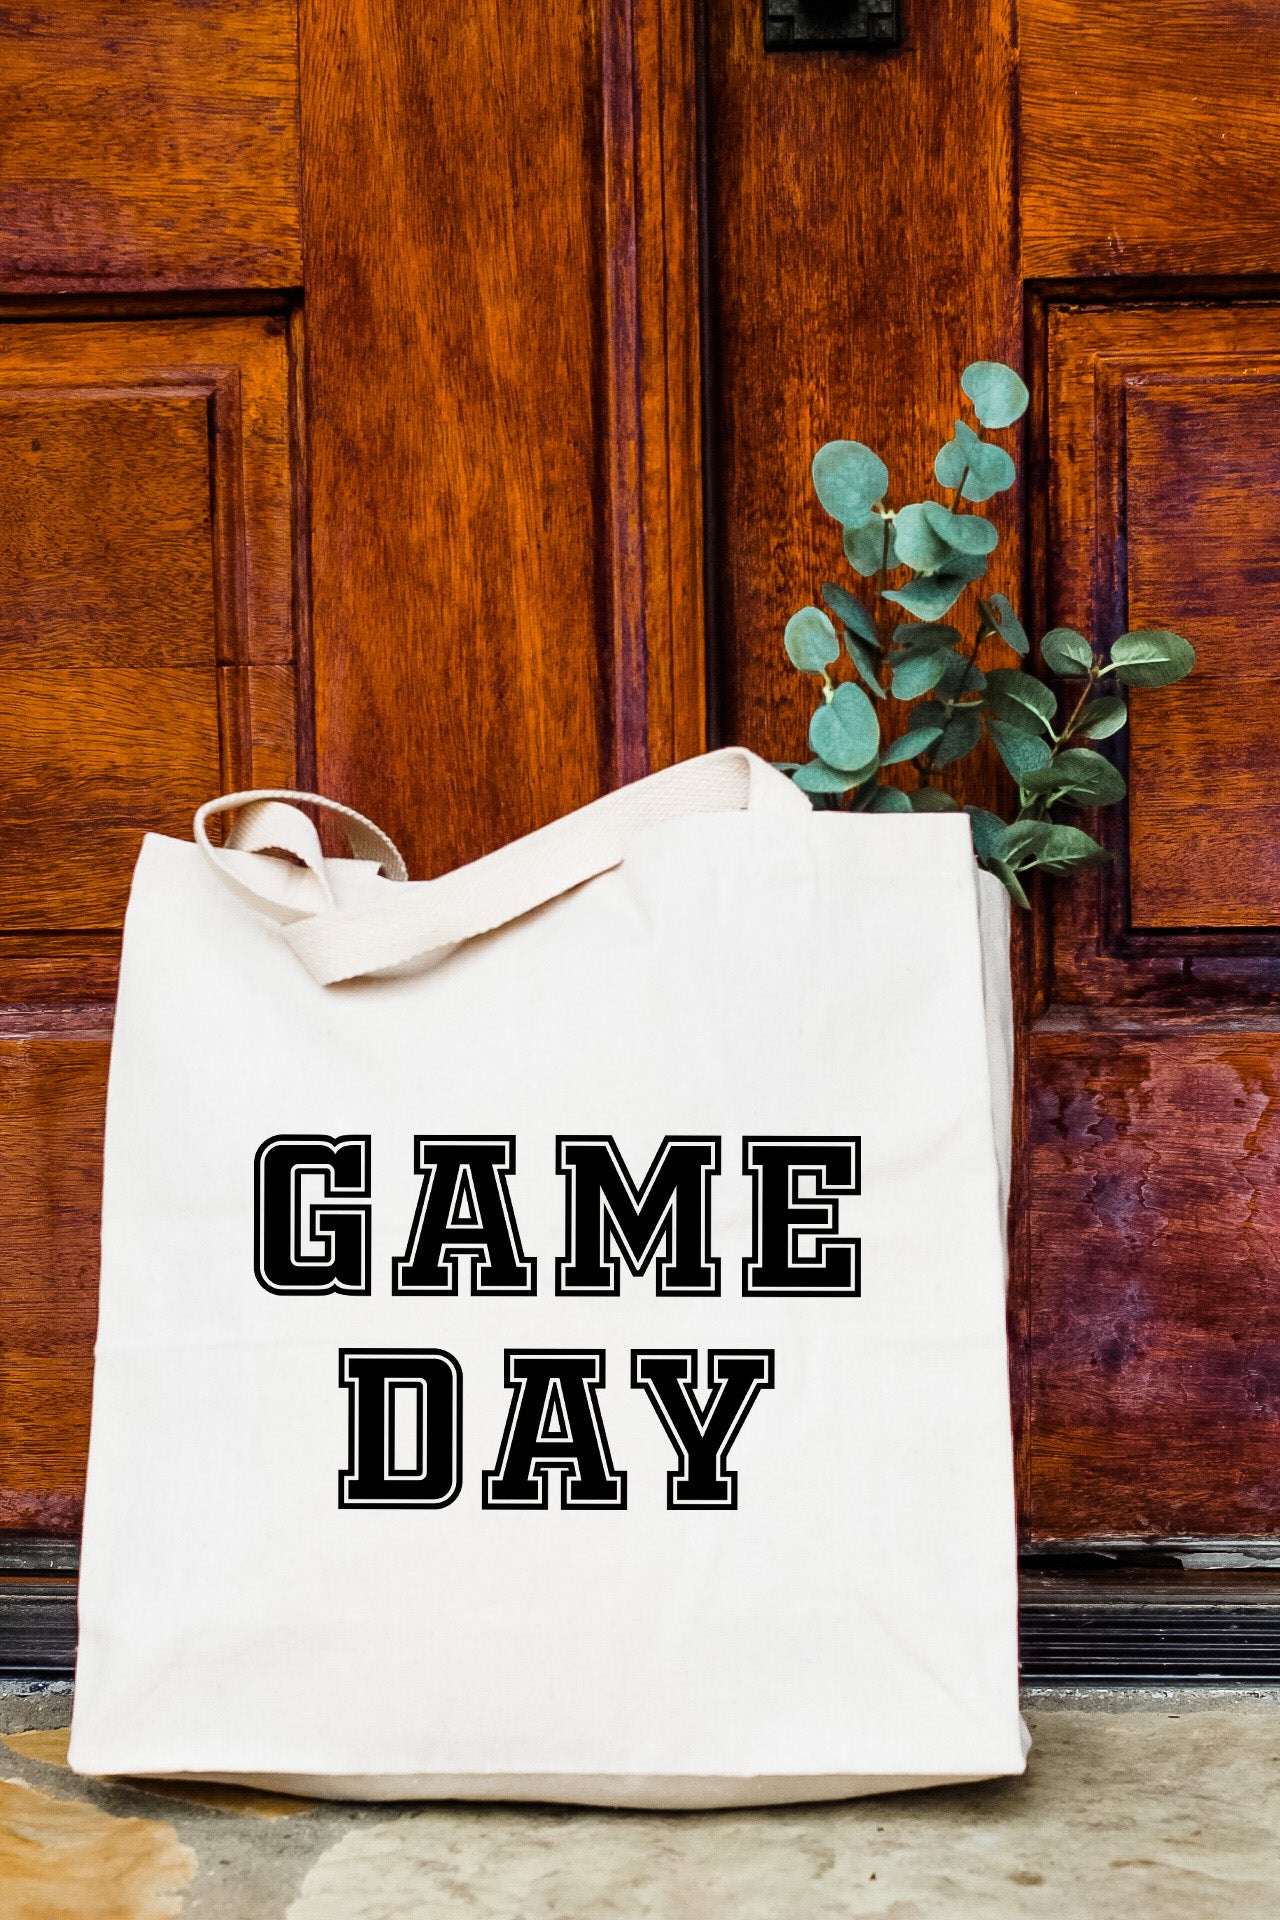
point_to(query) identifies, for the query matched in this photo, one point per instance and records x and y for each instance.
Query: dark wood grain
(480, 586)
(1149, 137)
(1164, 458)
(843, 308)
(52, 1091)
(146, 650)
(149, 146)
(146, 662)
(1152, 1303)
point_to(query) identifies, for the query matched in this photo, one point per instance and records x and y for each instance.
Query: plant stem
(1094, 674)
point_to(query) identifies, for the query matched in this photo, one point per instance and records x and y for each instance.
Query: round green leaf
(810, 640)
(915, 740)
(918, 544)
(1068, 847)
(998, 394)
(1101, 718)
(864, 547)
(849, 479)
(925, 636)
(1011, 684)
(960, 736)
(989, 469)
(962, 532)
(1067, 652)
(817, 777)
(847, 607)
(1007, 623)
(867, 660)
(1008, 879)
(1022, 752)
(935, 594)
(918, 672)
(889, 800)
(988, 832)
(1152, 657)
(1078, 774)
(960, 676)
(845, 731)
(931, 800)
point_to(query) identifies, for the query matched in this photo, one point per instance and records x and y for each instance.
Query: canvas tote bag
(552, 1328)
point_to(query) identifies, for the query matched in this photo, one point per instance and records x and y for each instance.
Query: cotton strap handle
(337, 944)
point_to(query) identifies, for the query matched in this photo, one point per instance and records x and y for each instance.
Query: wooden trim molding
(657, 668)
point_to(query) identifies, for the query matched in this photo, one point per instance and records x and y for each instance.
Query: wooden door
(387, 393)
(1086, 190)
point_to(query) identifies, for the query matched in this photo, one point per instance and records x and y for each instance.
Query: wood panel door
(1088, 191)
(419, 404)
(350, 435)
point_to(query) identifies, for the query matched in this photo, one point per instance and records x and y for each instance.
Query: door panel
(53, 1085)
(1149, 140)
(1149, 1309)
(149, 146)
(146, 660)
(505, 510)
(1150, 1305)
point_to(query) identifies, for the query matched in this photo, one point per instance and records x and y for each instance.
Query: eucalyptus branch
(943, 545)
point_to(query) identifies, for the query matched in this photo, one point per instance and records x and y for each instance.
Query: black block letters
(307, 1241)
(405, 1427)
(464, 1214)
(554, 1421)
(604, 1207)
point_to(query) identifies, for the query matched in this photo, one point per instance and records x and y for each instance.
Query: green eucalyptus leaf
(915, 740)
(847, 607)
(867, 660)
(1011, 684)
(918, 544)
(1152, 657)
(1068, 847)
(845, 731)
(864, 547)
(1100, 718)
(1080, 775)
(930, 713)
(998, 394)
(960, 676)
(935, 594)
(999, 613)
(927, 636)
(1008, 879)
(784, 766)
(1067, 653)
(810, 640)
(960, 736)
(985, 469)
(962, 532)
(1022, 752)
(849, 479)
(818, 777)
(988, 832)
(918, 672)
(889, 800)
(1024, 840)
(1009, 712)
(931, 800)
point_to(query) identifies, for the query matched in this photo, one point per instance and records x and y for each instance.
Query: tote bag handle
(336, 944)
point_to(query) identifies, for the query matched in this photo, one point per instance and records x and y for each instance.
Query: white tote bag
(552, 1330)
